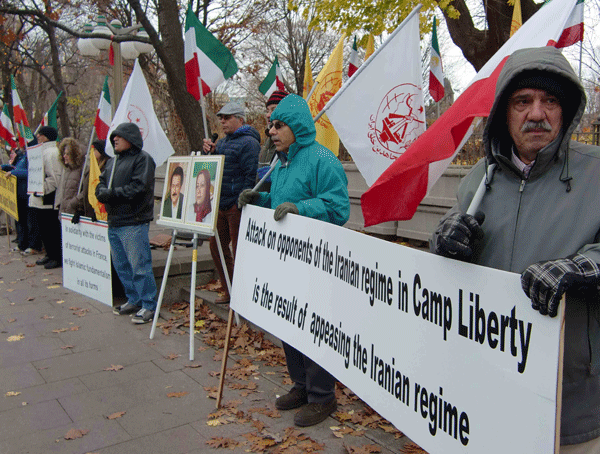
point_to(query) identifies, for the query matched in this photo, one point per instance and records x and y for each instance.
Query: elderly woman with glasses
(308, 180)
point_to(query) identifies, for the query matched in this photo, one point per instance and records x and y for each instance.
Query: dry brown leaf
(16, 337)
(74, 328)
(60, 330)
(31, 298)
(30, 265)
(67, 347)
(53, 286)
(180, 394)
(221, 442)
(412, 448)
(172, 356)
(193, 366)
(11, 320)
(73, 308)
(10, 289)
(114, 367)
(12, 393)
(75, 433)
(116, 415)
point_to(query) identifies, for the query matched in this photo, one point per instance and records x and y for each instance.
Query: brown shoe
(314, 413)
(294, 399)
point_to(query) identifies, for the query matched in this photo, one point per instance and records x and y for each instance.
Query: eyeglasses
(225, 117)
(276, 124)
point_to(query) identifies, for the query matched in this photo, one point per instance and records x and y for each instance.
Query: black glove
(546, 282)
(456, 236)
(247, 196)
(76, 216)
(104, 195)
(93, 216)
(285, 208)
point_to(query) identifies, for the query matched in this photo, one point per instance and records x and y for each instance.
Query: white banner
(451, 353)
(35, 169)
(86, 258)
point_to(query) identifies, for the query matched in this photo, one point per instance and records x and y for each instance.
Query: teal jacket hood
(294, 112)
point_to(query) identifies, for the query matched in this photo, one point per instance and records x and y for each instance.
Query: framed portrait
(199, 194)
(172, 208)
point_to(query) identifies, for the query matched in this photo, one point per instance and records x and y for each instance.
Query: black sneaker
(51, 264)
(314, 413)
(294, 399)
(126, 309)
(142, 316)
(42, 261)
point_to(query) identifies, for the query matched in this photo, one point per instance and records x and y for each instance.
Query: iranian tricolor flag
(207, 61)
(49, 118)
(24, 133)
(273, 81)
(6, 128)
(398, 191)
(436, 71)
(353, 59)
(103, 113)
(573, 31)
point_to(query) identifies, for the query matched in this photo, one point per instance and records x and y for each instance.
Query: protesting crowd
(528, 207)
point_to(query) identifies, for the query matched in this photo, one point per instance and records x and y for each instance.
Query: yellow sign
(8, 194)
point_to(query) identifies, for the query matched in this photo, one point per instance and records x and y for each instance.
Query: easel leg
(193, 295)
(163, 285)
(224, 362)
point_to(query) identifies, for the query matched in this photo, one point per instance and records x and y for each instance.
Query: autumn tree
(478, 28)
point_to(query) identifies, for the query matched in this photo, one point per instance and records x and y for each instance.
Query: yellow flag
(370, 46)
(94, 179)
(328, 83)
(517, 19)
(308, 78)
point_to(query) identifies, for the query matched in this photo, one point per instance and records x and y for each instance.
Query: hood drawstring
(566, 179)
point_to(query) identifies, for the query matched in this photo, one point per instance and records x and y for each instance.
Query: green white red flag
(207, 61)
(399, 190)
(573, 31)
(436, 71)
(6, 128)
(49, 118)
(353, 59)
(24, 133)
(273, 81)
(103, 113)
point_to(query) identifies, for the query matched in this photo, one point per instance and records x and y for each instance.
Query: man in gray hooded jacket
(539, 217)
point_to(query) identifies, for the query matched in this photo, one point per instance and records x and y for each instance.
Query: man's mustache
(535, 125)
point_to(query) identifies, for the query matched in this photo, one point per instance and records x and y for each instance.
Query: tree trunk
(170, 52)
(61, 109)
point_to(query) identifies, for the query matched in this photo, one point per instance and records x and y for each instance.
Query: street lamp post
(127, 49)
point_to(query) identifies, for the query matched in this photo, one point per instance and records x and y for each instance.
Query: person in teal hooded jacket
(308, 180)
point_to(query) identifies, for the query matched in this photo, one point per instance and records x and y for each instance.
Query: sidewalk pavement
(75, 378)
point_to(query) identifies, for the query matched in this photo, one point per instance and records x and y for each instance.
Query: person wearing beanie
(129, 200)
(42, 206)
(539, 217)
(240, 146)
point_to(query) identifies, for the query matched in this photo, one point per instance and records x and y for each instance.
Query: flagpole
(365, 64)
(312, 90)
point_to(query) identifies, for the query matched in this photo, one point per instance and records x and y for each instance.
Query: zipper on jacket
(512, 250)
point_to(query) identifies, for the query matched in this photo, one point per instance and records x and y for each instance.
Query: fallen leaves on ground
(53, 286)
(11, 320)
(47, 317)
(66, 347)
(412, 448)
(114, 367)
(16, 337)
(365, 449)
(221, 442)
(116, 415)
(60, 330)
(75, 433)
(172, 356)
(179, 394)
(31, 298)
(12, 393)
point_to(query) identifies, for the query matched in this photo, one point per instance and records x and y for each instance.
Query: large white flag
(136, 107)
(389, 91)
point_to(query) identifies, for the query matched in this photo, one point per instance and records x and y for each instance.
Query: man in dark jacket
(240, 146)
(541, 219)
(128, 195)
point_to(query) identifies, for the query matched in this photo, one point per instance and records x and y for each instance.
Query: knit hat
(233, 108)
(48, 132)
(276, 96)
(99, 145)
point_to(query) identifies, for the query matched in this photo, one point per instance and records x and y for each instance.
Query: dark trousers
(306, 374)
(35, 237)
(22, 224)
(228, 227)
(51, 233)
